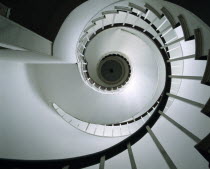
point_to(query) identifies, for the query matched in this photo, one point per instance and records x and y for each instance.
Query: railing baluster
(130, 153)
(94, 30)
(113, 19)
(186, 77)
(169, 30)
(181, 58)
(172, 41)
(87, 126)
(83, 45)
(164, 30)
(186, 100)
(165, 155)
(83, 37)
(188, 133)
(147, 14)
(128, 128)
(136, 21)
(142, 119)
(80, 53)
(150, 25)
(104, 130)
(162, 24)
(102, 162)
(95, 130)
(112, 130)
(120, 130)
(173, 49)
(102, 22)
(89, 27)
(126, 17)
(87, 38)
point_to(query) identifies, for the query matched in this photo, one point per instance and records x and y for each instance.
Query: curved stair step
(184, 26)
(169, 17)
(153, 10)
(206, 76)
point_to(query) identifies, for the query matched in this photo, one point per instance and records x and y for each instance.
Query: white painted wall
(17, 36)
(65, 43)
(30, 129)
(7, 55)
(62, 84)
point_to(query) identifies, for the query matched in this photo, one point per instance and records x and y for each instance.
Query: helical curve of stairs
(124, 85)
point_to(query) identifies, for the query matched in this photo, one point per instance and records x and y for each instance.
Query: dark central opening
(111, 70)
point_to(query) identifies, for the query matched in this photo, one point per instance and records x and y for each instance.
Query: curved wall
(30, 129)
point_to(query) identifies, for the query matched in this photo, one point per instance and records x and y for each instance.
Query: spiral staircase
(124, 85)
